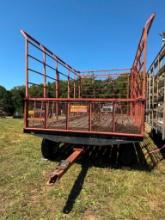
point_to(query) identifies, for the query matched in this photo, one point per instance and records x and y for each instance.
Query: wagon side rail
(138, 74)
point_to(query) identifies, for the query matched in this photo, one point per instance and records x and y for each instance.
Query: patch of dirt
(89, 216)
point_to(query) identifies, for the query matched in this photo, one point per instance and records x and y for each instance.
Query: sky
(87, 34)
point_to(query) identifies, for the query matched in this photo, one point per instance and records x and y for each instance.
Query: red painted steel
(64, 166)
(85, 132)
(115, 98)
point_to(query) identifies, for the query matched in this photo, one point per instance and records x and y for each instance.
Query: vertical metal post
(74, 89)
(26, 113)
(44, 72)
(57, 90)
(57, 81)
(157, 92)
(69, 85)
(163, 136)
(128, 79)
(44, 86)
(144, 65)
(132, 92)
(153, 91)
(67, 116)
(27, 83)
(149, 99)
(27, 66)
(46, 113)
(79, 87)
(144, 81)
(90, 118)
(157, 89)
(68, 105)
(113, 118)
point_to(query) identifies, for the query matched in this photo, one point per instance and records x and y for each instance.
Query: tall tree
(6, 104)
(18, 94)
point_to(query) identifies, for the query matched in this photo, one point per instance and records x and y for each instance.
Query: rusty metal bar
(104, 70)
(74, 89)
(79, 87)
(57, 89)
(26, 67)
(46, 114)
(64, 166)
(87, 99)
(26, 113)
(27, 84)
(113, 118)
(90, 117)
(41, 62)
(67, 116)
(48, 52)
(57, 82)
(44, 72)
(85, 132)
(69, 85)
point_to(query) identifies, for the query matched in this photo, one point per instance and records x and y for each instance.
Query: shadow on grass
(76, 189)
(125, 156)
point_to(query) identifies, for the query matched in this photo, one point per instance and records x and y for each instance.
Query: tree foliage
(12, 102)
(6, 104)
(17, 96)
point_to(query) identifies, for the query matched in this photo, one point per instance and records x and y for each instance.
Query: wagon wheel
(49, 149)
(127, 156)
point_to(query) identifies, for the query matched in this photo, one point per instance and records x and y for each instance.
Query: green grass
(106, 193)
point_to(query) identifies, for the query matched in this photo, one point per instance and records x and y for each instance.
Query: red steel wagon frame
(89, 107)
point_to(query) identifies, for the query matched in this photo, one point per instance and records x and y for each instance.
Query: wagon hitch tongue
(64, 165)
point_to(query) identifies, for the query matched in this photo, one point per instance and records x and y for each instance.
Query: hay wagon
(89, 107)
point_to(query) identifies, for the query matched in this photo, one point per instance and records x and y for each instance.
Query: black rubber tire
(127, 155)
(153, 133)
(49, 149)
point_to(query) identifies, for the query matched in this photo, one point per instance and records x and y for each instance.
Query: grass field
(89, 190)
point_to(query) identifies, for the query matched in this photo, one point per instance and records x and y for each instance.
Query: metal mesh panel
(85, 116)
